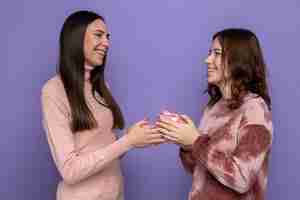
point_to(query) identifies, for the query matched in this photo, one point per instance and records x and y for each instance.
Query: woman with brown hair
(79, 114)
(228, 153)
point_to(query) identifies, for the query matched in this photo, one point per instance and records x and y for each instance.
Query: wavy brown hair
(243, 60)
(71, 71)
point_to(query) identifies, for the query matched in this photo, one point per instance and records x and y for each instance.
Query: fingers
(158, 141)
(168, 121)
(166, 126)
(155, 136)
(152, 129)
(142, 122)
(187, 119)
(170, 139)
(168, 133)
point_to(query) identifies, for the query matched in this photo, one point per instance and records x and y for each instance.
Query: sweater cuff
(200, 147)
(186, 149)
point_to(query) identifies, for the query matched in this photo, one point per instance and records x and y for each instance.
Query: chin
(98, 63)
(210, 80)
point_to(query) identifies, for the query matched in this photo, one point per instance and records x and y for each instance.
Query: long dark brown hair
(243, 59)
(71, 71)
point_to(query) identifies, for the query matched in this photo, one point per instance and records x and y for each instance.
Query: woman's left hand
(183, 133)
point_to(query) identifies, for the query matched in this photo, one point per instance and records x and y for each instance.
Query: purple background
(155, 62)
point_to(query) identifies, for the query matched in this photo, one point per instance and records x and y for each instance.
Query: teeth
(100, 52)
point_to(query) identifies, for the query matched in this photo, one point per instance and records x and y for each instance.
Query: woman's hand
(183, 133)
(142, 134)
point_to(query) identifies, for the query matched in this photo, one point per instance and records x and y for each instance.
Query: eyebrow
(99, 30)
(216, 49)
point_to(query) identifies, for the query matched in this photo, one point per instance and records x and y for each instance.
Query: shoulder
(53, 91)
(53, 87)
(53, 96)
(255, 110)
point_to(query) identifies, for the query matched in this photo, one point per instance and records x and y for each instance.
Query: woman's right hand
(142, 134)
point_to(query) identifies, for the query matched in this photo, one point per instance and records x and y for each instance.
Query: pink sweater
(88, 161)
(229, 160)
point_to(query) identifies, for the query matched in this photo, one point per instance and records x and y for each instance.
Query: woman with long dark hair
(79, 113)
(228, 153)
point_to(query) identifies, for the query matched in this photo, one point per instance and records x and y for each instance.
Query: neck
(226, 91)
(87, 72)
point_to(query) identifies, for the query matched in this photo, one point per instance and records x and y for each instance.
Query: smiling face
(96, 43)
(215, 67)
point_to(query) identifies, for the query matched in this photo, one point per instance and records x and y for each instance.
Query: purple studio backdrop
(155, 62)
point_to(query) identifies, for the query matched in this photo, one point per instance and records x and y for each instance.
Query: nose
(105, 42)
(208, 60)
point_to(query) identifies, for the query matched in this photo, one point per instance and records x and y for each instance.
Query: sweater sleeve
(186, 154)
(187, 159)
(74, 166)
(238, 170)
